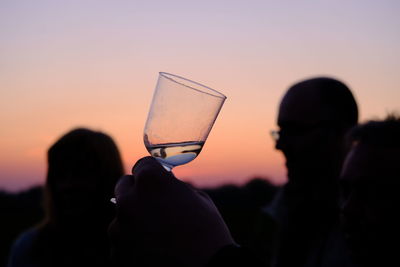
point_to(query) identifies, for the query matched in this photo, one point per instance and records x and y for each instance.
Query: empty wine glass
(181, 116)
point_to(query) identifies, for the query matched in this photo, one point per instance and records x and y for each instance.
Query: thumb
(123, 187)
(148, 172)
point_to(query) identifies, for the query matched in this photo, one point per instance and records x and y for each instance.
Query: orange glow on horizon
(95, 64)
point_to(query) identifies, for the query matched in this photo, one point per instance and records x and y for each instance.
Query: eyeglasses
(299, 130)
(275, 134)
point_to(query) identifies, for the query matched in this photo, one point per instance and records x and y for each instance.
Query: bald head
(319, 99)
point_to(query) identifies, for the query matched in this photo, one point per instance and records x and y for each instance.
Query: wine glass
(181, 116)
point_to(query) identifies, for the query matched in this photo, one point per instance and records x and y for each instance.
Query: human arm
(160, 218)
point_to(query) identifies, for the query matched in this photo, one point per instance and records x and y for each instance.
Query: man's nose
(278, 145)
(281, 142)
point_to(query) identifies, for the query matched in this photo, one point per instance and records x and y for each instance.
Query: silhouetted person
(314, 117)
(83, 168)
(370, 182)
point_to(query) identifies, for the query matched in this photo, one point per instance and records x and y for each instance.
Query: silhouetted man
(370, 182)
(314, 117)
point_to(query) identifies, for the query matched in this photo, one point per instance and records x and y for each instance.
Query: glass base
(167, 167)
(163, 163)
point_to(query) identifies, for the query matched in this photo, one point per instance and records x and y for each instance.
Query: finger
(125, 198)
(123, 187)
(140, 161)
(149, 172)
(148, 163)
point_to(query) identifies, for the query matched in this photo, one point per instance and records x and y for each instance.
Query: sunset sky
(95, 63)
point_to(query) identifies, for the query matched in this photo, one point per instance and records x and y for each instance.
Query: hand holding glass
(181, 116)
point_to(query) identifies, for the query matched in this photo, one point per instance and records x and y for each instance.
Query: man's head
(314, 116)
(370, 181)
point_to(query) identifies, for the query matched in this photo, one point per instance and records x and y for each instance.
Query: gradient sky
(95, 63)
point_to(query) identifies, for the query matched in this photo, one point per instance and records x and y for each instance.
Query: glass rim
(213, 92)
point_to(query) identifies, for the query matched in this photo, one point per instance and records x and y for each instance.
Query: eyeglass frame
(303, 129)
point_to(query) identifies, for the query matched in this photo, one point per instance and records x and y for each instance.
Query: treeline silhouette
(239, 206)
